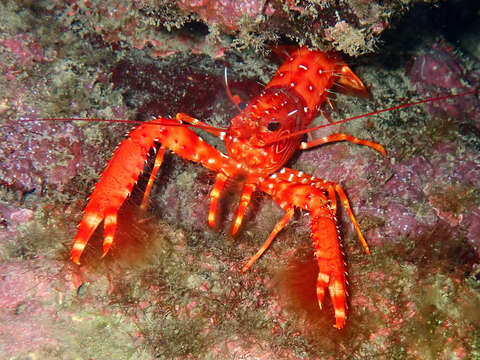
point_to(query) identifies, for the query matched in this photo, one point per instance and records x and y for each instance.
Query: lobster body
(257, 151)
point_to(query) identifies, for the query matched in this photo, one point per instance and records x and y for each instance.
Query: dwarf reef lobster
(259, 141)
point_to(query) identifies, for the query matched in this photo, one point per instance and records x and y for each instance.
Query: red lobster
(259, 141)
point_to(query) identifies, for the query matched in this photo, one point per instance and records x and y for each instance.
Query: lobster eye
(273, 126)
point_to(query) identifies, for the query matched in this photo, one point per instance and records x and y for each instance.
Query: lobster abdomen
(309, 74)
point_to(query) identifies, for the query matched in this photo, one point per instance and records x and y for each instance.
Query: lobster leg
(245, 198)
(181, 117)
(333, 190)
(122, 172)
(156, 166)
(220, 180)
(346, 204)
(109, 227)
(278, 227)
(214, 195)
(343, 137)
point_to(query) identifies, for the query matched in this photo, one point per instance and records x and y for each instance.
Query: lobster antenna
(424, 101)
(235, 98)
(124, 121)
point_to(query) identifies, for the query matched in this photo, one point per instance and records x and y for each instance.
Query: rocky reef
(212, 27)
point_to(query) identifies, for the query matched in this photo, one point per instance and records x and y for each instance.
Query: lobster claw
(127, 163)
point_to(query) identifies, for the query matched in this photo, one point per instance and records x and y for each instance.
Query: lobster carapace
(287, 105)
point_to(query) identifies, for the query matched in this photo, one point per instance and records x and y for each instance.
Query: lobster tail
(309, 74)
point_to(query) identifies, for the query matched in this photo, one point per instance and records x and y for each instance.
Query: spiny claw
(92, 218)
(107, 244)
(110, 225)
(88, 225)
(245, 198)
(337, 293)
(86, 229)
(322, 283)
(77, 251)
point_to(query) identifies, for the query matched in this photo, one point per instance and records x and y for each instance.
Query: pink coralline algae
(11, 217)
(29, 318)
(471, 222)
(441, 71)
(207, 26)
(411, 197)
(36, 154)
(422, 194)
(25, 48)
